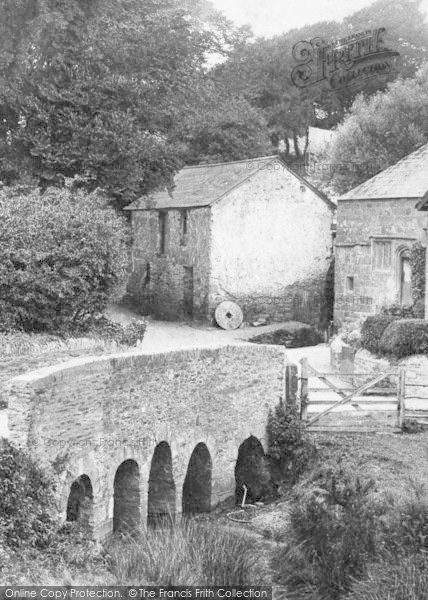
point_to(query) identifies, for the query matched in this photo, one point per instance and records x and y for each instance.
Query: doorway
(405, 279)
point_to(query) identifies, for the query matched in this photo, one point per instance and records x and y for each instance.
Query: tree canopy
(377, 132)
(260, 71)
(100, 89)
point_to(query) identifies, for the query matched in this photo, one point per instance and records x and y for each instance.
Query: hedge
(372, 330)
(404, 337)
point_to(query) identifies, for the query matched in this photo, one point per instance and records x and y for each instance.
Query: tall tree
(261, 71)
(98, 88)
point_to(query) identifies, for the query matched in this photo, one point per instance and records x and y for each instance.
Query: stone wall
(271, 247)
(360, 224)
(90, 415)
(157, 280)
(416, 375)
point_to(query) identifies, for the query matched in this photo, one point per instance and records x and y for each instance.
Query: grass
(187, 554)
(397, 463)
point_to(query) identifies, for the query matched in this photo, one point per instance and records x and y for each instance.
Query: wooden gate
(363, 393)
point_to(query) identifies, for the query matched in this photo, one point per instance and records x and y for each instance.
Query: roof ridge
(233, 162)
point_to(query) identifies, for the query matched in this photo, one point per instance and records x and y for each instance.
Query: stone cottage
(250, 231)
(377, 224)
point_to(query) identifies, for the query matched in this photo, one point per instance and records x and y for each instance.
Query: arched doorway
(405, 277)
(198, 482)
(161, 494)
(126, 511)
(80, 502)
(251, 470)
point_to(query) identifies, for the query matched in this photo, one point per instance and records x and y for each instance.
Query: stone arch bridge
(133, 436)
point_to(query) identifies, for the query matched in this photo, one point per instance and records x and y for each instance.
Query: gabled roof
(408, 178)
(202, 185)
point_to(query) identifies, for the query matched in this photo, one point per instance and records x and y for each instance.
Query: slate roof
(408, 178)
(202, 185)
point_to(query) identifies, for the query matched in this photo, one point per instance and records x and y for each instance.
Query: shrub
(289, 448)
(405, 337)
(406, 532)
(62, 258)
(372, 330)
(26, 501)
(332, 534)
(187, 554)
(399, 311)
(102, 326)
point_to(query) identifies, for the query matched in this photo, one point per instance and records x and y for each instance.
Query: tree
(98, 88)
(260, 72)
(62, 256)
(377, 132)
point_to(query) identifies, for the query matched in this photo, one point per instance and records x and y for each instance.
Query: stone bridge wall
(88, 416)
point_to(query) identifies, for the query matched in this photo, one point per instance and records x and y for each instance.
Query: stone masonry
(92, 415)
(361, 224)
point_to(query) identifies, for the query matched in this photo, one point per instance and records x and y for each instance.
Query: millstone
(228, 315)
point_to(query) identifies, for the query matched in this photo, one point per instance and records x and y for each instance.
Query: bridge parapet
(89, 416)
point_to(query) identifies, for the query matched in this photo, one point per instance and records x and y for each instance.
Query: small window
(162, 231)
(184, 226)
(349, 284)
(382, 255)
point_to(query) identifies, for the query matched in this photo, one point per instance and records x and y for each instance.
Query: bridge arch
(126, 495)
(80, 502)
(161, 493)
(197, 485)
(251, 470)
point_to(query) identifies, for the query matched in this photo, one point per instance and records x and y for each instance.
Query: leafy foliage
(405, 337)
(62, 257)
(332, 533)
(372, 330)
(378, 131)
(115, 92)
(289, 448)
(260, 72)
(418, 265)
(26, 501)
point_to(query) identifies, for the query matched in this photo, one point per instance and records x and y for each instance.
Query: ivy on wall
(418, 261)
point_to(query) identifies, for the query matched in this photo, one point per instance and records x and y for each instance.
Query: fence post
(304, 389)
(291, 385)
(401, 392)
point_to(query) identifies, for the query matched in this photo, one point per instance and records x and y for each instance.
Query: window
(184, 225)
(381, 255)
(349, 284)
(162, 231)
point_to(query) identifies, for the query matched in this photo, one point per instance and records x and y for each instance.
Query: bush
(372, 330)
(102, 326)
(332, 534)
(62, 257)
(26, 501)
(289, 448)
(188, 554)
(405, 337)
(399, 311)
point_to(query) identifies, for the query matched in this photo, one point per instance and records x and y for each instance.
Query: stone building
(377, 224)
(249, 231)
